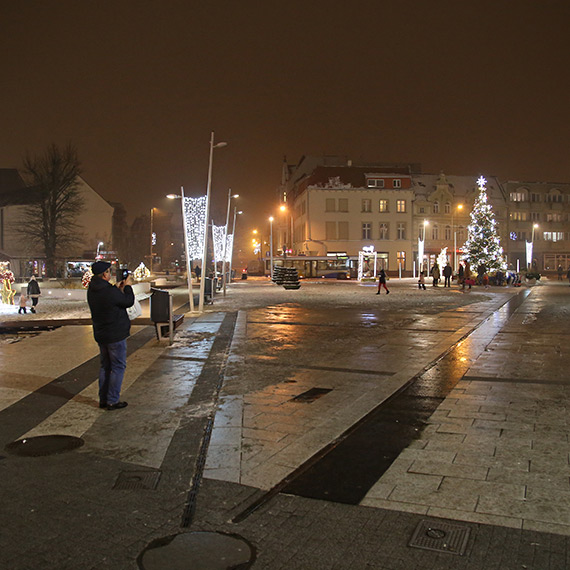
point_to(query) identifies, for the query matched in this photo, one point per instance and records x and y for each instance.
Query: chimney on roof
(349, 162)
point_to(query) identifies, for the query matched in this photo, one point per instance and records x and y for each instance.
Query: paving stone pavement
(215, 418)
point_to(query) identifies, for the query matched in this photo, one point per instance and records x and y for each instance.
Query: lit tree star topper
(483, 245)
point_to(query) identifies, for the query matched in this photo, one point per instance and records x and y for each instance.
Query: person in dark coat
(111, 327)
(34, 292)
(382, 281)
(447, 272)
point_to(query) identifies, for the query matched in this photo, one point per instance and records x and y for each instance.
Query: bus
(333, 266)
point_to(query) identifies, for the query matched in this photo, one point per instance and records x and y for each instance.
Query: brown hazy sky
(467, 87)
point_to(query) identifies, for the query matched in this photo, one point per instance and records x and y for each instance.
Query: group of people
(464, 276)
(33, 292)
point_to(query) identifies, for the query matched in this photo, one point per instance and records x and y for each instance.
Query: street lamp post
(271, 244)
(224, 262)
(284, 209)
(205, 252)
(459, 207)
(426, 223)
(233, 239)
(151, 236)
(99, 245)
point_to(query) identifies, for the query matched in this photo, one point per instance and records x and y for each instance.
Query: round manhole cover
(43, 445)
(199, 551)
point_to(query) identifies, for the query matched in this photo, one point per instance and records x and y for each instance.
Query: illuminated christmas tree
(483, 245)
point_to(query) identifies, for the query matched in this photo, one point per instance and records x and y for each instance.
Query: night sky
(468, 87)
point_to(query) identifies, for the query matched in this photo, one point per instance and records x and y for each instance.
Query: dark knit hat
(100, 267)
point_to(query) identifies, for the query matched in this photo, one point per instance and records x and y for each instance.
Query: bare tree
(50, 217)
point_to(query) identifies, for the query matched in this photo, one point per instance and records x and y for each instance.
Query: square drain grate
(440, 536)
(311, 395)
(135, 480)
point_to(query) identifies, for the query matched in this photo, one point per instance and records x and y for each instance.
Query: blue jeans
(113, 364)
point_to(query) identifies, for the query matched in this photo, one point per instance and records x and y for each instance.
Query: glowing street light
(459, 207)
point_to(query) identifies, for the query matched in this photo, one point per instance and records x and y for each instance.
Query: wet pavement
(321, 427)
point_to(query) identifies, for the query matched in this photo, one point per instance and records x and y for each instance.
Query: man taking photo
(111, 327)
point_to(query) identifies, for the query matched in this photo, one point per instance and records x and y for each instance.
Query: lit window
(400, 206)
(383, 206)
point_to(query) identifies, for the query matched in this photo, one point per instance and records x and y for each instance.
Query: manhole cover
(440, 536)
(311, 395)
(43, 445)
(199, 551)
(134, 480)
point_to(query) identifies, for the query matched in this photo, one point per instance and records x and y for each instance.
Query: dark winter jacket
(33, 288)
(108, 306)
(447, 271)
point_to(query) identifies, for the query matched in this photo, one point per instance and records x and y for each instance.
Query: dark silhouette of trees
(49, 220)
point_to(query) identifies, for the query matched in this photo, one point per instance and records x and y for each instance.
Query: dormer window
(375, 183)
(396, 183)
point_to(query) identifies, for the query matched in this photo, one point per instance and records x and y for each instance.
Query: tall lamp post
(151, 236)
(458, 207)
(205, 252)
(231, 256)
(224, 262)
(271, 245)
(284, 209)
(426, 223)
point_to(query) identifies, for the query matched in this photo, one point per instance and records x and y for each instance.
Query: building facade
(538, 213)
(95, 223)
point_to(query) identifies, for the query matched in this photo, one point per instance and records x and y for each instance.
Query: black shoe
(378, 293)
(117, 406)
(387, 292)
(102, 404)
(33, 310)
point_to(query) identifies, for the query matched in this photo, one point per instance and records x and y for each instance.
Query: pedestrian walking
(382, 281)
(486, 280)
(467, 277)
(447, 272)
(111, 327)
(23, 300)
(435, 274)
(34, 292)
(560, 273)
(461, 275)
(422, 281)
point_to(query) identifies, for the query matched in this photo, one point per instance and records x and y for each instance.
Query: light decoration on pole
(364, 256)
(141, 272)
(483, 245)
(229, 248)
(442, 258)
(219, 237)
(194, 226)
(529, 248)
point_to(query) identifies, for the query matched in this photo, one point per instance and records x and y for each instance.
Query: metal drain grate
(135, 480)
(311, 395)
(441, 537)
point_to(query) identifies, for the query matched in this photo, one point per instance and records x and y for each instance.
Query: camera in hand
(124, 274)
